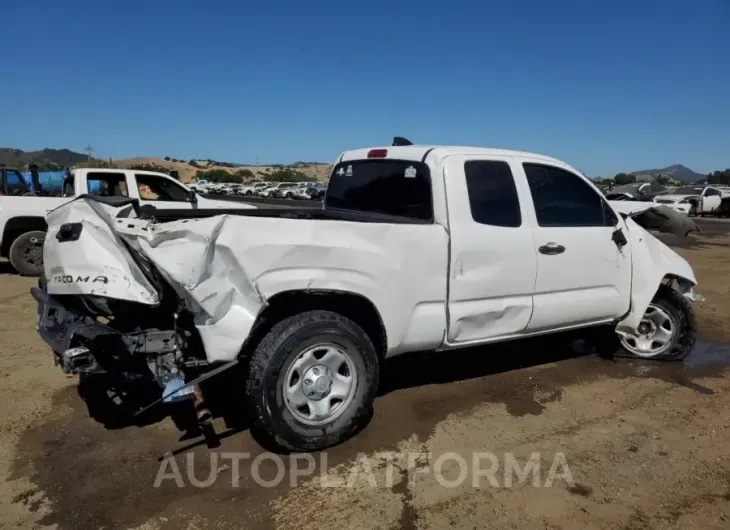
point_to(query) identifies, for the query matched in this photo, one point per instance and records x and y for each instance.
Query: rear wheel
(26, 253)
(312, 382)
(667, 331)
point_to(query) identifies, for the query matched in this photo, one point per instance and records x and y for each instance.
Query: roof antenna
(399, 141)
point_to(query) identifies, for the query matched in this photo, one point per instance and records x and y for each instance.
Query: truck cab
(151, 188)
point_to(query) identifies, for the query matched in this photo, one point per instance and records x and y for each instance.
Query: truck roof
(116, 170)
(419, 153)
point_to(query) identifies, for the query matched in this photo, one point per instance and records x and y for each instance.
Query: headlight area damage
(652, 216)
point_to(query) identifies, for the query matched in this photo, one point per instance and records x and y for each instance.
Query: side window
(106, 184)
(68, 186)
(492, 193)
(399, 188)
(564, 199)
(15, 183)
(157, 188)
(709, 192)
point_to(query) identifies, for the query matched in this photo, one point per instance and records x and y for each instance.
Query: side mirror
(619, 238)
(193, 196)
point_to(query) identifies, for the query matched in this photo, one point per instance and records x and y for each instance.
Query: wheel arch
(17, 226)
(353, 306)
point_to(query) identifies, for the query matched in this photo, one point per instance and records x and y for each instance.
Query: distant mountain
(676, 172)
(45, 158)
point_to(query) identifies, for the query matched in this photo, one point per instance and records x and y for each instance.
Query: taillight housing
(377, 153)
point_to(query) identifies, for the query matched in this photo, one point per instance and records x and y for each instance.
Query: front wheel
(667, 331)
(312, 382)
(26, 253)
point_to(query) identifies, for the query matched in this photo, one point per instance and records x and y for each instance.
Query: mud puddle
(89, 476)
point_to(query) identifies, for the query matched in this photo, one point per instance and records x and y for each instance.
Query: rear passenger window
(562, 198)
(104, 184)
(492, 193)
(400, 188)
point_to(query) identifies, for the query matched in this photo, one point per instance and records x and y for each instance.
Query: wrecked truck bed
(224, 266)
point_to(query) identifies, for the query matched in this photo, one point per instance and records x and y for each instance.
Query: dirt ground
(645, 444)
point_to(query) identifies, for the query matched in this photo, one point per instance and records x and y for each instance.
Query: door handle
(551, 249)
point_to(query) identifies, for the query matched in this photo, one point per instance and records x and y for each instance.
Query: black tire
(26, 253)
(273, 423)
(681, 310)
(96, 390)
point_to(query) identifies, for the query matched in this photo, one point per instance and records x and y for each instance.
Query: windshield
(399, 188)
(688, 190)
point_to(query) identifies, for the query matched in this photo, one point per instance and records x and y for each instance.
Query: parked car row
(311, 191)
(697, 199)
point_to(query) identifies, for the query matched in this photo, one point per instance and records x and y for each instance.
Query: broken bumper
(695, 297)
(64, 331)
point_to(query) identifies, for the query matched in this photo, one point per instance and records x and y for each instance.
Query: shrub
(286, 175)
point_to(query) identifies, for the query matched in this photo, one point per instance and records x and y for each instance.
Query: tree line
(715, 177)
(280, 175)
(719, 177)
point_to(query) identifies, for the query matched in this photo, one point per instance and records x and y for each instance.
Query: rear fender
(95, 261)
(653, 262)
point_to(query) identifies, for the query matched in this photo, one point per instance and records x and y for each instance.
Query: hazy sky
(607, 86)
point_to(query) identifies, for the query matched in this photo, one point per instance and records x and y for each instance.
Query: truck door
(583, 268)
(711, 199)
(492, 263)
(161, 192)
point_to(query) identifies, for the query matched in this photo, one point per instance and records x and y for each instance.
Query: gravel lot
(645, 443)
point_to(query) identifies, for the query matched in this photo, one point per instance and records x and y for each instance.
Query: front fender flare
(653, 262)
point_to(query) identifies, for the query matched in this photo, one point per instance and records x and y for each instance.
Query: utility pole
(257, 161)
(89, 150)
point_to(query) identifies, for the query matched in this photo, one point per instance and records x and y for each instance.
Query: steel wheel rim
(660, 327)
(33, 252)
(319, 384)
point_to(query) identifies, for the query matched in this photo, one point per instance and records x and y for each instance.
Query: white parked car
(416, 248)
(284, 190)
(694, 200)
(199, 186)
(253, 189)
(270, 191)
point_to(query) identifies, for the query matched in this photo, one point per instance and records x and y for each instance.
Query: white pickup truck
(23, 215)
(416, 248)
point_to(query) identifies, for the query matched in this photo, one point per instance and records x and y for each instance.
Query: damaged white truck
(416, 248)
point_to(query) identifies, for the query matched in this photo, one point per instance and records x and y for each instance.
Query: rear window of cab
(399, 188)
